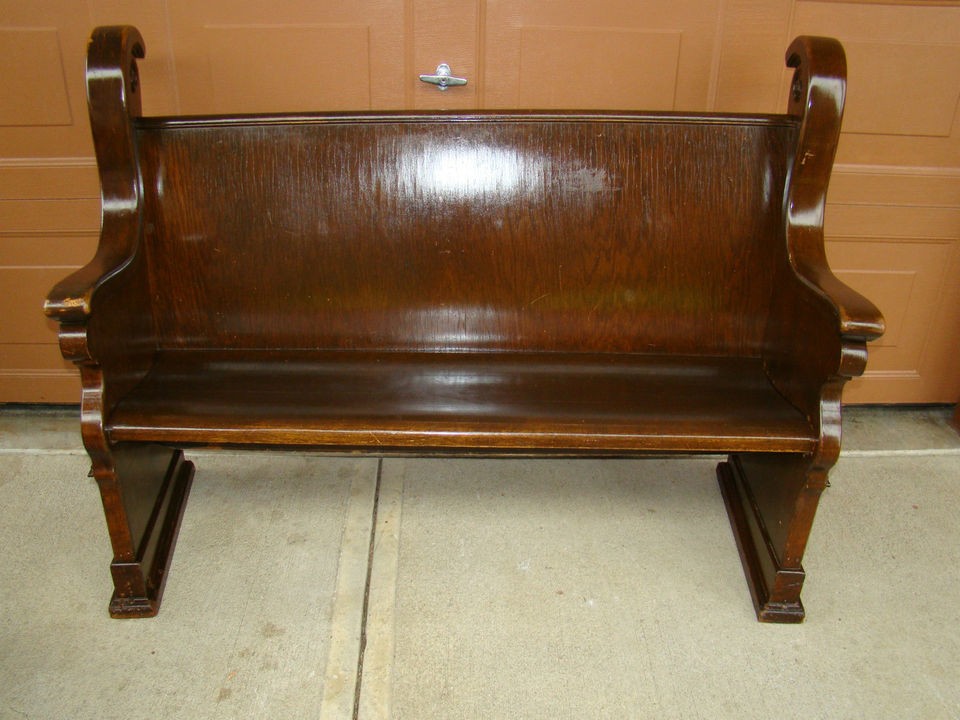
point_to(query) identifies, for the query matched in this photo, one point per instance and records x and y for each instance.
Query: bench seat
(564, 402)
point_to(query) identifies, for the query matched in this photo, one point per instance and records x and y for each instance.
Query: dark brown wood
(481, 233)
(569, 403)
(775, 589)
(525, 283)
(815, 341)
(107, 329)
(152, 483)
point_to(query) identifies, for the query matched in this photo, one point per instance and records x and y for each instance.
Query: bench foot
(144, 495)
(770, 501)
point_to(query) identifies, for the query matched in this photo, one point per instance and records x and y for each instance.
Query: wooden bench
(603, 284)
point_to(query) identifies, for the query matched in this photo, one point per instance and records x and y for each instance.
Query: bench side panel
(494, 235)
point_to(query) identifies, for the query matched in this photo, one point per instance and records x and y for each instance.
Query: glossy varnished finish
(815, 341)
(532, 283)
(107, 329)
(568, 403)
(482, 233)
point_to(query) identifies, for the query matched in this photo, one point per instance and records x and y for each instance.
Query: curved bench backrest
(653, 233)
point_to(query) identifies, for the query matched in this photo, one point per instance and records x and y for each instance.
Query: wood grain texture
(561, 403)
(483, 232)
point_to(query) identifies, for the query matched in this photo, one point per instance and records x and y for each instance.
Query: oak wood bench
(558, 284)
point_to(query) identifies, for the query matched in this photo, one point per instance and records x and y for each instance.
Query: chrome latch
(443, 78)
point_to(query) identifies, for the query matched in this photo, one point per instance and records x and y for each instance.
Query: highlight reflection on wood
(527, 283)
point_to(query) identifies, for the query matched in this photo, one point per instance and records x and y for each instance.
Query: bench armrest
(70, 301)
(817, 98)
(113, 98)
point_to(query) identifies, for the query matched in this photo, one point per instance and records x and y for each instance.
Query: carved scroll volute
(816, 97)
(113, 97)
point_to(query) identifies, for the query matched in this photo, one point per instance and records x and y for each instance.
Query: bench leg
(144, 489)
(771, 500)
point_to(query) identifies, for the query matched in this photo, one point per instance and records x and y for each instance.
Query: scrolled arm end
(817, 98)
(820, 76)
(858, 317)
(113, 98)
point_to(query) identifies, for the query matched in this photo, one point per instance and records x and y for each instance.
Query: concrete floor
(494, 589)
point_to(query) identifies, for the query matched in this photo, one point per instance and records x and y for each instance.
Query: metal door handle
(443, 78)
